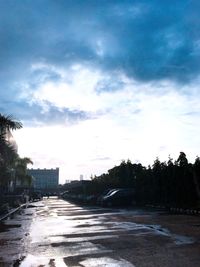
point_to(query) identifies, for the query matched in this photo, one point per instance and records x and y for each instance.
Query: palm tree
(8, 152)
(8, 123)
(21, 171)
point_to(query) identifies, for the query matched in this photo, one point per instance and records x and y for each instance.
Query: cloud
(44, 113)
(141, 127)
(101, 159)
(127, 71)
(109, 85)
(147, 41)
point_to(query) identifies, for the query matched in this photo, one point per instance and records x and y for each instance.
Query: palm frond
(9, 123)
(8, 153)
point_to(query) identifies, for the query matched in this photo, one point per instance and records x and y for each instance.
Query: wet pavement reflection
(53, 232)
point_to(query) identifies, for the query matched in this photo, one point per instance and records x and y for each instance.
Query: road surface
(56, 233)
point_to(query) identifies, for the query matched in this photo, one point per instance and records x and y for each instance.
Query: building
(45, 180)
(77, 187)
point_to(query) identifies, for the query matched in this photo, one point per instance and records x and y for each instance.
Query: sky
(98, 81)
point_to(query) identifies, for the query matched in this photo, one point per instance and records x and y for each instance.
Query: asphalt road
(54, 232)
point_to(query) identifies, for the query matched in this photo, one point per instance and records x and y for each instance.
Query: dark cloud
(146, 40)
(43, 114)
(109, 85)
(41, 75)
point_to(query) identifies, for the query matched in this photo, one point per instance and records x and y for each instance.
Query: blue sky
(95, 82)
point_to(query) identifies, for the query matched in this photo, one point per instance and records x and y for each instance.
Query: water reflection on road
(53, 233)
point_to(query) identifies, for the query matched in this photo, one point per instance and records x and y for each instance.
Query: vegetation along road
(54, 232)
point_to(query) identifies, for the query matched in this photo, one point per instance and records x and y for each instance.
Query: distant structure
(77, 186)
(45, 180)
(81, 177)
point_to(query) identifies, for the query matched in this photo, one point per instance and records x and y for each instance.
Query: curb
(178, 210)
(185, 211)
(12, 211)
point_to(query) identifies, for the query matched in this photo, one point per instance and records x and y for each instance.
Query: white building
(45, 179)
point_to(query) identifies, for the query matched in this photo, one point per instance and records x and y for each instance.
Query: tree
(182, 160)
(7, 123)
(21, 171)
(8, 152)
(196, 177)
(185, 181)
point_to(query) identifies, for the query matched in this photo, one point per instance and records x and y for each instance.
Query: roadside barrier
(12, 211)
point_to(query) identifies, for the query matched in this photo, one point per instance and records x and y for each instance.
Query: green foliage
(21, 170)
(8, 153)
(12, 167)
(8, 123)
(167, 183)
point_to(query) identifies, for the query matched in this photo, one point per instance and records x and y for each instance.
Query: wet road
(54, 232)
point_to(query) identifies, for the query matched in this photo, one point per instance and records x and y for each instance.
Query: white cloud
(139, 122)
(74, 92)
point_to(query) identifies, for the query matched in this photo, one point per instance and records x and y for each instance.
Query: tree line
(171, 183)
(13, 168)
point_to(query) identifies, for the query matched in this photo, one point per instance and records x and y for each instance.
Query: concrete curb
(185, 211)
(177, 210)
(12, 211)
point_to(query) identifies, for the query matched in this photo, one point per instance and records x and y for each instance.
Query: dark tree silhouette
(168, 183)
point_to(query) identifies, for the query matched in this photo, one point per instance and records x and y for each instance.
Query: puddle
(105, 262)
(43, 228)
(36, 261)
(156, 229)
(182, 240)
(58, 239)
(128, 226)
(56, 229)
(68, 250)
(178, 239)
(91, 223)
